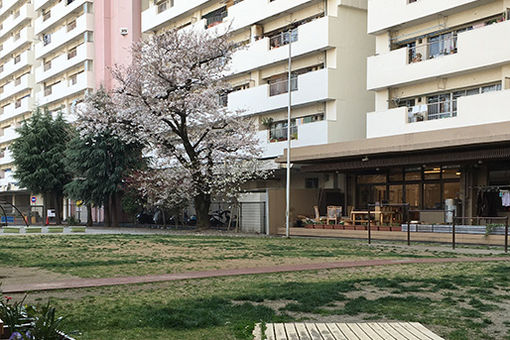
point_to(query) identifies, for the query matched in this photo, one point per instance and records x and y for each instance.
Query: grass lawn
(91, 256)
(457, 301)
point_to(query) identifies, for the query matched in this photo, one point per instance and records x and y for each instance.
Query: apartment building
(439, 131)
(329, 50)
(16, 78)
(52, 52)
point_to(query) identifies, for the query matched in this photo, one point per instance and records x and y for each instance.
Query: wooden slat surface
(349, 331)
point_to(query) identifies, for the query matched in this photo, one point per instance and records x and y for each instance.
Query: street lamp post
(289, 138)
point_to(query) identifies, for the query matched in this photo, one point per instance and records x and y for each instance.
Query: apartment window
(17, 35)
(1, 47)
(278, 131)
(73, 80)
(281, 85)
(2, 152)
(283, 38)
(442, 44)
(72, 53)
(69, 2)
(46, 14)
(164, 5)
(215, 17)
(17, 81)
(47, 65)
(1, 68)
(47, 90)
(16, 13)
(71, 25)
(17, 104)
(46, 39)
(443, 105)
(17, 59)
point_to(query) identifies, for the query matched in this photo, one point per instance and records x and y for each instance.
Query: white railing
(66, 88)
(65, 61)
(282, 86)
(11, 67)
(11, 44)
(10, 111)
(12, 21)
(57, 12)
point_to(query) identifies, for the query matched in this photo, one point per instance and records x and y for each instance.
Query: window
(16, 13)
(164, 5)
(312, 183)
(46, 39)
(72, 53)
(46, 14)
(278, 131)
(47, 65)
(281, 85)
(283, 38)
(71, 25)
(47, 90)
(17, 81)
(17, 104)
(73, 79)
(215, 17)
(17, 35)
(17, 59)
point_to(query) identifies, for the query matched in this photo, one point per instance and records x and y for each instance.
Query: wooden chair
(318, 217)
(334, 214)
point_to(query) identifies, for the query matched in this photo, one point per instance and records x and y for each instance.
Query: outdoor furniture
(334, 213)
(318, 217)
(364, 216)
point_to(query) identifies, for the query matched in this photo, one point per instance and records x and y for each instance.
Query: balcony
(15, 87)
(58, 12)
(84, 23)
(25, 59)
(486, 108)
(246, 13)
(26, 12)
(480, 48)
(316, 35)
(7, 5)
(310, 88)
(12, 110)
(7, 158)
(65, 61)
(10, 45)
(66, 88)
(10, 134)
(385, 14)
(315, 133)
(152, 18)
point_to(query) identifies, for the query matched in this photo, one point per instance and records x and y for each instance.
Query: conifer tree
(39, 157)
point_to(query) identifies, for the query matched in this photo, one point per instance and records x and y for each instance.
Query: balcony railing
(283, 38)
(432, 111)
(282, 86)
(432, 50)
(280, 134)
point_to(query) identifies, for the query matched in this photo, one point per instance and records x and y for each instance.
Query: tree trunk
(58, 203)
(45, 208)
(107, 219)
(114, 211)
(202, 206)
(89, 215)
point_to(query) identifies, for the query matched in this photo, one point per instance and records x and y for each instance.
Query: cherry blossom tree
(169, 100)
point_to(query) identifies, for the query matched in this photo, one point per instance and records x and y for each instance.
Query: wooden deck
(347, 331)
(494, 240)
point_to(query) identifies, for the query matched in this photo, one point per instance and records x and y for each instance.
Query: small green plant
(71, 220)
(267, 121)
(14, 314)
(491, 227)
(45, 324)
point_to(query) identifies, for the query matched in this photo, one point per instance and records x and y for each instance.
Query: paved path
(115, 281)
(346, 331)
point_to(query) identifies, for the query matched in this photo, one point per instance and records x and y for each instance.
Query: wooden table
(378, 215)
(346, 331)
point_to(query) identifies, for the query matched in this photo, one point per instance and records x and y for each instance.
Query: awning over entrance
(485, 142)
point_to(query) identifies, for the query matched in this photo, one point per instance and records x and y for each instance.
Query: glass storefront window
(413, 174)
(413, 195)
(432, 196)
(367, 179)
(432, 173)
(395, 194)
(451, 172)
(396, 175)
(451, 190)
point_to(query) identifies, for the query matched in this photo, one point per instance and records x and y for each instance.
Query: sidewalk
(87, 283)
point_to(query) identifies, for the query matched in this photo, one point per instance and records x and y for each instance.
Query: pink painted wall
(112, 48)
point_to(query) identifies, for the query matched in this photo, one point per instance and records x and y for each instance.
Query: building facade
(328, 81)
(441, 78)
(52, 52)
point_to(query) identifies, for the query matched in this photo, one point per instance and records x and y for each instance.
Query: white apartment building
(328, 82)
(439, 131)
(48, 53)
(438, 64)
(17, 59)
(329, 46)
